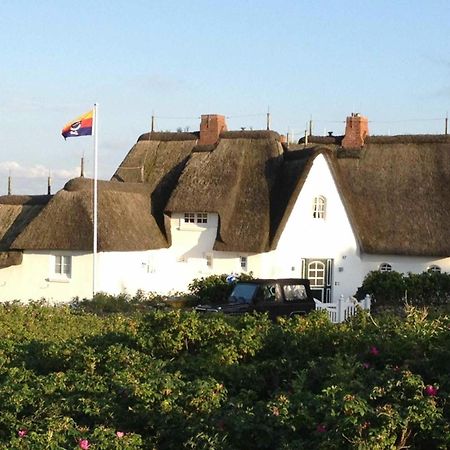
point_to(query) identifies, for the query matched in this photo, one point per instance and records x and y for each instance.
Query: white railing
(343, 309)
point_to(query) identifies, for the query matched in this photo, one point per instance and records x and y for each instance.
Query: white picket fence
(343, 309)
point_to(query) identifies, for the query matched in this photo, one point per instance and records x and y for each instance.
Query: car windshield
(243, 293)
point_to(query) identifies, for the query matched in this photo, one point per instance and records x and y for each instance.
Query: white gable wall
(329, 238)
(34, 278)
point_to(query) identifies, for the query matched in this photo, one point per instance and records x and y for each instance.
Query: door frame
(323, 290)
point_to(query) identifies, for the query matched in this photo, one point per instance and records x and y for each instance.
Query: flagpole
(95, 201)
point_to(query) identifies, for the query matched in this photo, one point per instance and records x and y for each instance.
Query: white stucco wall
(34, 278)
(404, 264)
(329, 238)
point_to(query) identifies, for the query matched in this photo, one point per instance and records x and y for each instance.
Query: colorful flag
(81, 126)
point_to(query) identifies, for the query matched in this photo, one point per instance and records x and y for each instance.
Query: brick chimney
(356, 130)
(211, 126)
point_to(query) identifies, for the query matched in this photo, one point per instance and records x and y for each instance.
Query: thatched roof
(396, 192)
(16, 212)
(235, 180)
(125, 222)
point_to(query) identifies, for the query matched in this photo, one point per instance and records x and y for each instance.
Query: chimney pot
(356, 130)
(211, 126)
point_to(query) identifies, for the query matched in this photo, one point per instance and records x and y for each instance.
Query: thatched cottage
(185, 205)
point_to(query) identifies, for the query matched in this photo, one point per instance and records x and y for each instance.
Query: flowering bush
(171, 380)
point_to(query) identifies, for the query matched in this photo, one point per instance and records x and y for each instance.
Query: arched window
(316, 273)
(319, 207)
(434, 269)
(385, 267)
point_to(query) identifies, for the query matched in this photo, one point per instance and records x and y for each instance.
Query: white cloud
(37, 171)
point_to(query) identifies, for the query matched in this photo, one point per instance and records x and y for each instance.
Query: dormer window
(385, 267)
(199, 217)
(319, 207)
(434, 269)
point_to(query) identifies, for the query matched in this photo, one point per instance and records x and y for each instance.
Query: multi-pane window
(434, 269)
(319, 207)
(316, 273)
(385, 267)
(244, 263)
(63, 265)
(200, 217)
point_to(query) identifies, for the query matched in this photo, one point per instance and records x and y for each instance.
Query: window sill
(58, 280)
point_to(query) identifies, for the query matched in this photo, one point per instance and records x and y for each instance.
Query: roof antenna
(9, 182)
(82, 166)
(268, 118)
(49, 183)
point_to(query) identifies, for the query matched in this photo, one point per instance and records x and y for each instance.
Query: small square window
(189, 217)
(202, 217)
(244, 263)
(63, 266)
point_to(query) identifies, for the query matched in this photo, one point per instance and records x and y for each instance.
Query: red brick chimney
(211, 126)
(356, 130)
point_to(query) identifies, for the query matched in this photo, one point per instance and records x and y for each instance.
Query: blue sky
(320, 59)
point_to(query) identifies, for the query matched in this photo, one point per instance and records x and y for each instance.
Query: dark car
(277, 297)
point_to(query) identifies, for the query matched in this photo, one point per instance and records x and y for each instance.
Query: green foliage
(141, 302)
(214, 289)
(394, 288)
(170, 379)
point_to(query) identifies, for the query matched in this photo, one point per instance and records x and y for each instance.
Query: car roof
(275, 281)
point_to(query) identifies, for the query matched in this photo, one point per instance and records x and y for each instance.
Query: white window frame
(243, 263)
(61, 267)
(316, 273)
(319, 207)
(198, 218)
(434, 269)
(202, 217)
(385, 267)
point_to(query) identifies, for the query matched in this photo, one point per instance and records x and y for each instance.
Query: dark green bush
(393, 289)
(103, 303)
(173, 380)
(214, 288)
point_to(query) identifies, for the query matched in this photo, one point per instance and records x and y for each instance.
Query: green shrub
(176, 379)
(214, 288)
(393, 289)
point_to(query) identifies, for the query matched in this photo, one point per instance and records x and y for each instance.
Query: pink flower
(374, 351)
(83, 444)
(321, 428)
(431, 391)
(22, 433)
(120, 434)
(366, 365)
